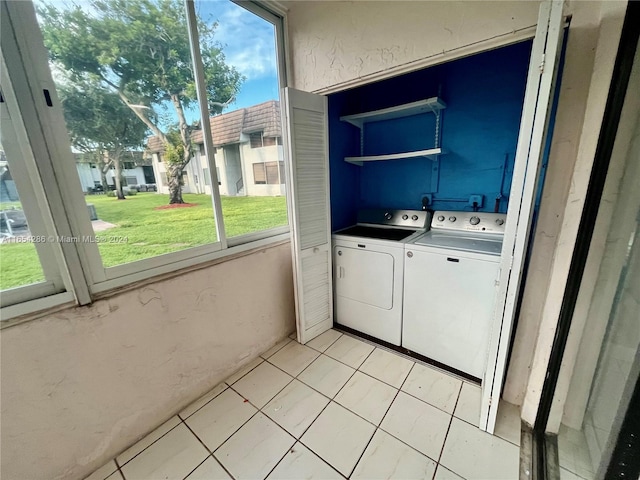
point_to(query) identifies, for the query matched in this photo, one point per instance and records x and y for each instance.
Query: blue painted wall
(484, 95)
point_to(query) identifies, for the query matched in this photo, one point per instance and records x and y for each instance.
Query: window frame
(82, 264)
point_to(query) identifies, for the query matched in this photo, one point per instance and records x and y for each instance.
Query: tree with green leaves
(139, 50)
(101, 126)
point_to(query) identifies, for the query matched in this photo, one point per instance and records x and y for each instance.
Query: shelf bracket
(362, 141)
(435, 174)
(437, 133)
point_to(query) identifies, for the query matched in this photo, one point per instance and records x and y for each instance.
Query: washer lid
(490, 245)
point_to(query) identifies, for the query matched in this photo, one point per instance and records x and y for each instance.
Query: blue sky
(249, 45)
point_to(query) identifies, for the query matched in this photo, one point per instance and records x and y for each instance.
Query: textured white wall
(81, 385)
(334, 43)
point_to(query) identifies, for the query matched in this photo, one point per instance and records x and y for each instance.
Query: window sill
(38, 308)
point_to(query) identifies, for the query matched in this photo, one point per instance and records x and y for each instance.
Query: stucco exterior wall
(80, 385)
(337, 43)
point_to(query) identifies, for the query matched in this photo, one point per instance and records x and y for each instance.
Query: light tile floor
(336, 408)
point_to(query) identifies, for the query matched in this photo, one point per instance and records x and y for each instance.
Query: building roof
(227, 128)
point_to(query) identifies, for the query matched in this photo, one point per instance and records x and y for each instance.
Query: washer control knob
(500, 221)
(441, 218)
(409, 254)
(388, 216)
(414, 217)
(405, 216)
(452, 218)
(474, 220)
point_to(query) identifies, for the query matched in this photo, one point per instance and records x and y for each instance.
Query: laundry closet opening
(438, 143)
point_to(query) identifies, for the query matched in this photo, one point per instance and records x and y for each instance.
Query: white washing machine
(368, 268)
(450, 279)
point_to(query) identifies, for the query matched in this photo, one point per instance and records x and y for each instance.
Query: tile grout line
(115, 459)
(392, 435)
(332, 399)
(328, 346)
(377, 427)
(299, 439)
(447, 434)
(209, 450)
(118, 469)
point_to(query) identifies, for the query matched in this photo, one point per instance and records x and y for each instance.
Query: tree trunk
(103, 178)
(174, 176)
(118, 179)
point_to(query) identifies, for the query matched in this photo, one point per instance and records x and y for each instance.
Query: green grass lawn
(149, 232)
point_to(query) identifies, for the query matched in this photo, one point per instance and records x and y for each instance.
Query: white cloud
(248, 40)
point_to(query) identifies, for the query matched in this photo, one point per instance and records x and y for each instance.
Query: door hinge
(490, 400)
(542, 64)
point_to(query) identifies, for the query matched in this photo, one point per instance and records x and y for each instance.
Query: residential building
(135, 171)
(248, 153)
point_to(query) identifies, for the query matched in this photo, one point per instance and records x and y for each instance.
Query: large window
(125, 97)
(245, 131)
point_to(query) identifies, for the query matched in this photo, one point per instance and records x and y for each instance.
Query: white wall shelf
(431, 154)
(430, 105)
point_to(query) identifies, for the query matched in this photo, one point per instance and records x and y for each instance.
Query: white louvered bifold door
(308, 191)
(534, 123)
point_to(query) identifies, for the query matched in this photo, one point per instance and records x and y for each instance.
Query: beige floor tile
(434, 387)
(388, 367)
(218, 419)
(300, 462)
(104, 471)
(473, 453)
(350, 351)
(293, 358)
(172, 456)
(276, 348)
(254, 449)
(296, 407)
(202, 401)
(262, 384)
(244, 370)
(324, 341)
(418, 424)
(135, 449)
(508, 423)
(444, 474)
(115, 476)
(387, 457)
(339, 437)
(210, 469)
(326, 375)
(468, 407)
(366, 396)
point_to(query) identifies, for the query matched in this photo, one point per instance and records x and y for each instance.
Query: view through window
(125, 78)
(19, 262)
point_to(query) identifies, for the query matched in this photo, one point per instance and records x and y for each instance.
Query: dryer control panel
(476, 222)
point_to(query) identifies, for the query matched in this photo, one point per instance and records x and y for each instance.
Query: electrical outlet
(478, 200)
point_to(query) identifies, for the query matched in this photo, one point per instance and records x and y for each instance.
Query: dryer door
(364, 276)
